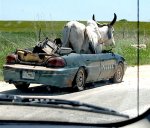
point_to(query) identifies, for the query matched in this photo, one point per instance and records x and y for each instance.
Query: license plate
(28, 75)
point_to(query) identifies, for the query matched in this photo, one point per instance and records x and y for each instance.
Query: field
(25, 34)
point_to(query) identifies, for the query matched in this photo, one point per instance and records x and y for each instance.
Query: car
(61, 67)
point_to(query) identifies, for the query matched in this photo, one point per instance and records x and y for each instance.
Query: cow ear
(99, 25)
(93, 17)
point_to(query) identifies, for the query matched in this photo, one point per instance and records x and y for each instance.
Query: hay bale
(140, 46)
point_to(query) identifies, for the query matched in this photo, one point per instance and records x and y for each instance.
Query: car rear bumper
(60, 77)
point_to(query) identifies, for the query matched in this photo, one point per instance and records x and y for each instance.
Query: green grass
(31, 26)
(123, 47)
(1, 75)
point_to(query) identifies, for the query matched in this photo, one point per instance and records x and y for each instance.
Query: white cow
(73, 35)
(92, 38)
(89, 39)
(106, 31)
(95, 43)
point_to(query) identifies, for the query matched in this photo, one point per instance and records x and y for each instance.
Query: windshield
(93, 52)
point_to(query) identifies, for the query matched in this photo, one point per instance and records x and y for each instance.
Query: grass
(1, 75)
(24, 34)
(31, 26)
(123, 47)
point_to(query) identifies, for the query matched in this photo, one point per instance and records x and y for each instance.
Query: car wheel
(79, 81)
(22, 86)
(118, 76)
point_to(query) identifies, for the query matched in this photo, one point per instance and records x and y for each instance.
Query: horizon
(62, 21)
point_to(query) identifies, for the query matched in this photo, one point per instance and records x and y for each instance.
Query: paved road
(121, 97)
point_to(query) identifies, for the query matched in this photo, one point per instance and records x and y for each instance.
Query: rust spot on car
(69, 83)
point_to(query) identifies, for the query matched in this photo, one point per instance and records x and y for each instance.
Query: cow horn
(114, 20)
(93, 17)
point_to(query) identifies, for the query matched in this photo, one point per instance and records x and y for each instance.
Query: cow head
(106, 31)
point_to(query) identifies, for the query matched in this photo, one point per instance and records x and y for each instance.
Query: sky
(60, 10)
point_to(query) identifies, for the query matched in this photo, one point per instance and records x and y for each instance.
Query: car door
(92, 62)
(107, 65)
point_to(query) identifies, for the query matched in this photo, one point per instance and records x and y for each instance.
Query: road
(121, 97)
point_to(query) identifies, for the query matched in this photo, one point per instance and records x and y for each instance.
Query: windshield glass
(93, 52)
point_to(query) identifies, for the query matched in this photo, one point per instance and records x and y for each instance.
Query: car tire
(22, 86)
(118, 76)
(79, 80)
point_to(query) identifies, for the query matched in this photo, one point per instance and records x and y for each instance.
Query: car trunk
(41, 53)
(28, 57)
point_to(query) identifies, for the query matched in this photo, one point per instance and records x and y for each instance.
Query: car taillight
(11, 59)
(56, 62)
